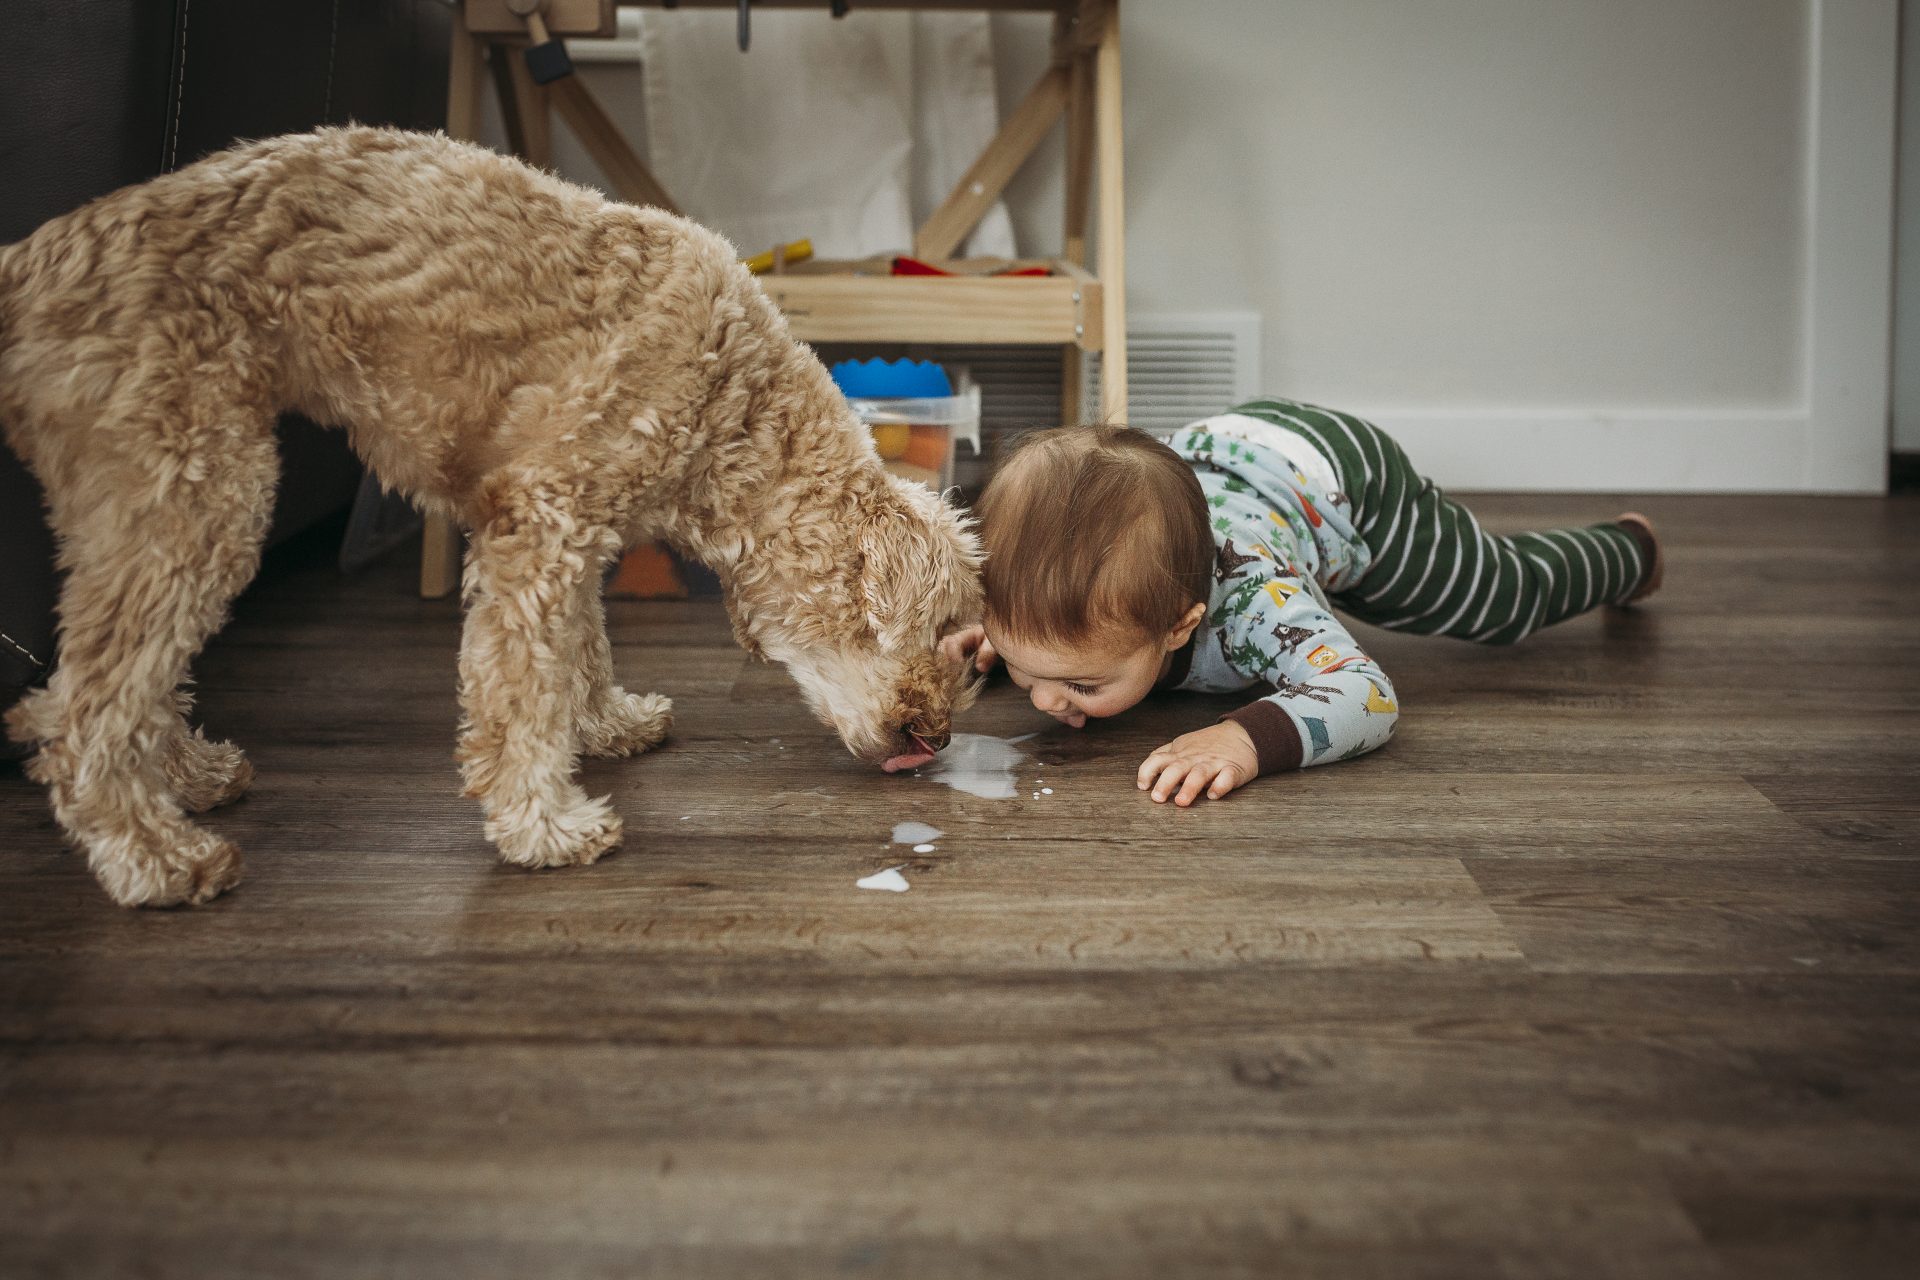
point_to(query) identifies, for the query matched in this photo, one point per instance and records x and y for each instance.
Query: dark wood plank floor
(1606, 967)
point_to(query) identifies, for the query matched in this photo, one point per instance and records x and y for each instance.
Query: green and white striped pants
(1435, 571)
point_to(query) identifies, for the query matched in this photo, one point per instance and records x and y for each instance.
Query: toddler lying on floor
(1117, 565)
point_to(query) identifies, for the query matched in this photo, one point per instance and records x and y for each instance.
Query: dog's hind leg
(527, 567)
(150, 573)
(609, 720)
(203, 774)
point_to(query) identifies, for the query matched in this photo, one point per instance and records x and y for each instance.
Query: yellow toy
(780, 255)
(892, 438)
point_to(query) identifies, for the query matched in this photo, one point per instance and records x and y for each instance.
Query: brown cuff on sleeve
(1276, 739)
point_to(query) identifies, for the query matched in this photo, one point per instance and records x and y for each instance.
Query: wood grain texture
(1038, 310)
(1608, 966)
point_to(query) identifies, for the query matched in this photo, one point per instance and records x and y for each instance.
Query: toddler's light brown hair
(1094, 534)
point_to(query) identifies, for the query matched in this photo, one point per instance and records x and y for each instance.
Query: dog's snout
(938, 741)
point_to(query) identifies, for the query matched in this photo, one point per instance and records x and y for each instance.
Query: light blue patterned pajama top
(1285, 540)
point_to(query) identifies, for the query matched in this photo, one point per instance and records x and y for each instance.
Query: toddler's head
(1099, 561)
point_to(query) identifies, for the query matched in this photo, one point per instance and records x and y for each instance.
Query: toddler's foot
(1641, 529)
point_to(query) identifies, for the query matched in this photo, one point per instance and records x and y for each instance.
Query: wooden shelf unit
(1080, 307)
(842, 302)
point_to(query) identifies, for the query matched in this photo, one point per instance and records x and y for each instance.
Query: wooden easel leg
(536, 114)
(440, 537)
(988, 176)
(1073, 375)
(602, 138)
(466, 67)
(523, 108)
(1113, 243)
(440, 548)
(1079, 177)
(1079, 158)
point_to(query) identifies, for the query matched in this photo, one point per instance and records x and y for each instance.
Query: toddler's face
(1072, 682)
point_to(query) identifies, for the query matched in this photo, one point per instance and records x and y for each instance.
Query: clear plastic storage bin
(917, 437)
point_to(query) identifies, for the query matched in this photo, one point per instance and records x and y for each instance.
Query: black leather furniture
(96, 94)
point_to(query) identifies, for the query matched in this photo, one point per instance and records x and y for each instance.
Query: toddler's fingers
(1169, 779)
(958, 646)
(1227, 780)
(1197, 779)
(1148, 767)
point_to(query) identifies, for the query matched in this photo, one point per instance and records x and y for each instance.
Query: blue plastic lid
(902, 379)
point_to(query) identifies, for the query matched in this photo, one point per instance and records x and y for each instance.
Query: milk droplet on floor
(923, 848)
(1046, 791)
(915, 833)
(890, 880)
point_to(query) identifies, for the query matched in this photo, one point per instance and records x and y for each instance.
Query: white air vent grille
(1019, 386)
(1183, 366)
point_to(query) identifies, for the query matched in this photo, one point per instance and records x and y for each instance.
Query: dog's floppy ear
(919, 567)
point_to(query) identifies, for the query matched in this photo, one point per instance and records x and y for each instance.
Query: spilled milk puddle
(979, 765)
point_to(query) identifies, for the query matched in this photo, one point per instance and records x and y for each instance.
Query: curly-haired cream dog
(561, 374)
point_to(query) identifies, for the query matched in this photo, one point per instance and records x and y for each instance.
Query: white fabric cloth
(847, 132)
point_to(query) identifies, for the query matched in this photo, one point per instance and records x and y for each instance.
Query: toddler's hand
(969, 642)
(1215, 759)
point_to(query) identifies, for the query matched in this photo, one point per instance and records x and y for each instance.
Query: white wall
(1532, 202)
(1538, 237)
(1906, 305)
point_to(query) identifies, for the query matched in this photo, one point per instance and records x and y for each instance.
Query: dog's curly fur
(561, 374)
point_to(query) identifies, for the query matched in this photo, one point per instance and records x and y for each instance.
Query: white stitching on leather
(21, 649)
(179, 88)
(333, 44)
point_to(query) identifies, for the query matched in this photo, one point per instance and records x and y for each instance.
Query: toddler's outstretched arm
(1331, 701)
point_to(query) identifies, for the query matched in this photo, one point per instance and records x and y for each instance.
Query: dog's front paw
(198, 870)
(537, 834)
(626, 724)
(206, 774)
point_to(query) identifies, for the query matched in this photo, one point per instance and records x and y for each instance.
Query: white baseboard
(1653, 451)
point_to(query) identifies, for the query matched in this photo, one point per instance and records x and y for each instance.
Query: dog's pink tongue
(913, 759)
